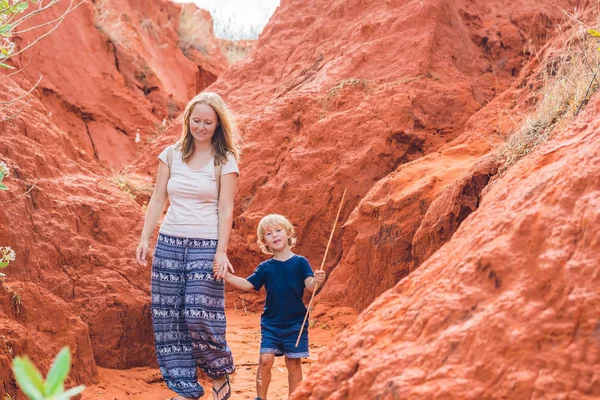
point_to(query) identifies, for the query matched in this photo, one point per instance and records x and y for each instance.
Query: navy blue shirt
(284, 281)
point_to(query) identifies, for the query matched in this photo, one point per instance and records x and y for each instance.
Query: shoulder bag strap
(218, 169)
(170, 158)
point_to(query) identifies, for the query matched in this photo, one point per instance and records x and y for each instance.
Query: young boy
(284, 276)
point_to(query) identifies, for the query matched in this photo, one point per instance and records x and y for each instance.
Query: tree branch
(17, 71)
(47, 23)
(35, 27)
(15, 114)
(22, 194)
(22, 96)
(33, 13)
(47, 33)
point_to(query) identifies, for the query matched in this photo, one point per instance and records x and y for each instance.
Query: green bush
(9, 11)
(4, 172)
(6, 256)
(32, 383)
(6, 253)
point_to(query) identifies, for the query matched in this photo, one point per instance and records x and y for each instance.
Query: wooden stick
(322, 264)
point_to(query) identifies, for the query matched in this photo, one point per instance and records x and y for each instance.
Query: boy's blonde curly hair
(273, 220)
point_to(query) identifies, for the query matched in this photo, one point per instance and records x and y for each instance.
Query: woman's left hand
(222, 265)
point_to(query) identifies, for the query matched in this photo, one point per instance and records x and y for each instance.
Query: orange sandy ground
(243, 335)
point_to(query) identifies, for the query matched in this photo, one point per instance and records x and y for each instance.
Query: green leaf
(1, 175)
(594, 32)
(3, 187)
(58, 372)
(1, 274)
(22, 6)
(4, 264)
(5, 28)
(2, 65)
(68, 394)
(29, 378)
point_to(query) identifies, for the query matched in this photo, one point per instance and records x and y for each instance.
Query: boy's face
(276, 238)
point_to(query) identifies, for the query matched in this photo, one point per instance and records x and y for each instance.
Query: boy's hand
(221, 265)
(319, 277)
(218, 272)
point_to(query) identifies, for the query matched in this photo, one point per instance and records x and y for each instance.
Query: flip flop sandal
(173, 398)
(217, 391)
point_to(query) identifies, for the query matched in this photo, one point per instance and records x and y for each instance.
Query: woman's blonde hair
(272, 220)
(226, 138)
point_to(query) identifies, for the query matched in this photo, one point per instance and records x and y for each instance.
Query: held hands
(141, 251)
(221, 266)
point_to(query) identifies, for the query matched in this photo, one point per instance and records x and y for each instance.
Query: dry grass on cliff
(192, 30)
(335, 91)
(568, 79)
(138, 187)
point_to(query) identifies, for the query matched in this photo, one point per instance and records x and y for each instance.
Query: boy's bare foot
(181, 398)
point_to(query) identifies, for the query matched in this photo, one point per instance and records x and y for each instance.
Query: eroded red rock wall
(508, 308)
(112, 68)
(73, 282)
(365, 91)
(109, 69)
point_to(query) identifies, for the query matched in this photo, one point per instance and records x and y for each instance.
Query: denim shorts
(280, 340)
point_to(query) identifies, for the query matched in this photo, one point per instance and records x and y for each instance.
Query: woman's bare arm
(156, 206)
(226, 196)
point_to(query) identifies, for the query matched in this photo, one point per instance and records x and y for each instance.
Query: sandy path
(243, 335)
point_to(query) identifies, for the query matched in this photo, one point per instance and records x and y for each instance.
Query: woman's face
(203, 122)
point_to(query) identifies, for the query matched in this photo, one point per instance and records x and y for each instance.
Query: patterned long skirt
(188, 314)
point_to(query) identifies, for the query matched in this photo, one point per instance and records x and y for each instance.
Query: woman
(199, 176)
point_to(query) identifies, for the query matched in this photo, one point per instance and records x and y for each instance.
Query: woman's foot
(221, 388)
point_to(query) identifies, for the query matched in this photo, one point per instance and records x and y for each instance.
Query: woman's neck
(202, 148)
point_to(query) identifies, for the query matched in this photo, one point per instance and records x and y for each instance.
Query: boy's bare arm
(233, 280)
(238, 282)
(311, 282)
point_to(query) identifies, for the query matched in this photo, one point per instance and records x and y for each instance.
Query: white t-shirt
(193, 197)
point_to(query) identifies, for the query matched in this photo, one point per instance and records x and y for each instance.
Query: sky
(237, 19)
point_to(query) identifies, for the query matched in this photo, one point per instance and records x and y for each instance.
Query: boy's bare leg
(263, 374)
(294, 367)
